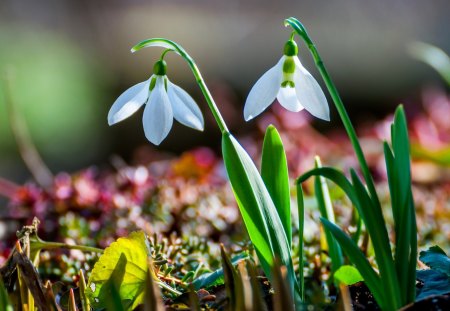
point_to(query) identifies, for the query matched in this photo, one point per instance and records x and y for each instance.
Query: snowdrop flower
(163, 101)
(291, 84)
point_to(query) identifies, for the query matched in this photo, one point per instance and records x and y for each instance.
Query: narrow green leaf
(392, 179)
(216, 278)
(282, 300)
(257, 209)
(152, 296)
(4, 299)
(124, 265)
(335, 176)
(301, 229)
(376, 227)
(326, 211)
(114, 301)
(274, 172)
(399, 172)
(259, 303)
(348, 275)
(400, 147)
(233, 283)
(72, 305)
(357, 257)
(412, 265)
(82, 285)
(159, 42)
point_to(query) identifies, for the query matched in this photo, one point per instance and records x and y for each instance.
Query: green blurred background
(67, 61)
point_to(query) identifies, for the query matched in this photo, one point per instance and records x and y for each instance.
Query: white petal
(288, 99)
(158, 116)
(264, 91)
(309, 92)
(184, 108)
(129, 102)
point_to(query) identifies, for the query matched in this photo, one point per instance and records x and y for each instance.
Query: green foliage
(348, 275)
(397, 273)
(233, 283)
(258, 211)
(434, 283)
(122, 268)
(399, 178)
(4, 299)
(274, 172)
(358, 258)
(436, 259)
(326, 211)
(216, 278)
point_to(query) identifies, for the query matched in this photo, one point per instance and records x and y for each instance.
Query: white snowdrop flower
(291, 84)
(163, 101)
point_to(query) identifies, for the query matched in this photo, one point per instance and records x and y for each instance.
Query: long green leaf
(301, 229)
(376, 227)
(258, 211)
(326, 211)
(357, 257)
(4, 299)
(403, 207)
(335, 176)
(274, 172)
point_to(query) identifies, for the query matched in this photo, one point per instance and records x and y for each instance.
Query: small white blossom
(291, 84)
(163, 101)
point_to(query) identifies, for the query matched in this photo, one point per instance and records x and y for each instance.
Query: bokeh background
(63, 63)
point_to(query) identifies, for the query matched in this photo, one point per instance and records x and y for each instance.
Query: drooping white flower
(163, 101)
(291, 84)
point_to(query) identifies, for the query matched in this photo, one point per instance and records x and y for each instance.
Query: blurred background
(63, 63)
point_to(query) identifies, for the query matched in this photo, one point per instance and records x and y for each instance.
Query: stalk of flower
(291, 84)
(164, 101)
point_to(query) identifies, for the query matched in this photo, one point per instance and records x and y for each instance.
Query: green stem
(301, 31)
(55, 245)
(168, 44)
(169, 288)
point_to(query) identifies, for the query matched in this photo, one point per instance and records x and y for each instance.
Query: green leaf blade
(122, 267)
(348, 275)
(257, 209)
(335, 176)
(326, 211)
(274, 172)
(357, 257)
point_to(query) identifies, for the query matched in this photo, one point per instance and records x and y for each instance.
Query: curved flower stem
(168, 44)
(301, 31)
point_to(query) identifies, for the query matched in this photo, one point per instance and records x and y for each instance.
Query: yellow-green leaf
(122, 267)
